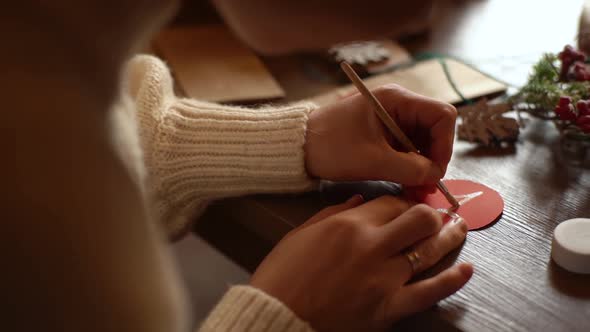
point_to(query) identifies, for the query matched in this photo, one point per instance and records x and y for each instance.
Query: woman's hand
(346, 140)
(345, 268)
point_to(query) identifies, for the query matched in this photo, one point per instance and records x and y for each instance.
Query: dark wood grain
(516, 287)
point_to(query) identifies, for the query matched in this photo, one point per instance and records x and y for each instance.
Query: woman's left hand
(347, 141)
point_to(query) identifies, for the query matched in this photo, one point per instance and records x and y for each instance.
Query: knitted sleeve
(196, 152)
(247, 309)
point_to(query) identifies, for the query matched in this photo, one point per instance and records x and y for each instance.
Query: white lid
(571, 245)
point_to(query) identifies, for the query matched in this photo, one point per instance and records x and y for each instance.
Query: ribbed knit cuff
(208, 151)
(196, 151)
(245, 308)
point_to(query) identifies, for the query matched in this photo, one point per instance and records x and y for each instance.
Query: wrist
(309, 147)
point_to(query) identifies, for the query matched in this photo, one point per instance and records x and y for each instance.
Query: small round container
(571, 245)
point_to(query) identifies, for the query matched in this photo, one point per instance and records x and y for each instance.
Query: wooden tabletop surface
(516, 287)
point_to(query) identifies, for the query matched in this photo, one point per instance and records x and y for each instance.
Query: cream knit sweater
(195, 152)
(82, 252)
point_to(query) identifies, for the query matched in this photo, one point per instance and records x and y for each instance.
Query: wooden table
(516, 287)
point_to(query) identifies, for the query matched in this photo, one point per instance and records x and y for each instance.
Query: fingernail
(435, 173)
(467, 270)
(356, 199)
(460, 222)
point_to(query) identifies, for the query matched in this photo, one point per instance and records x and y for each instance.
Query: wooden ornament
(369, 57)
(485, 124)
(359, 53)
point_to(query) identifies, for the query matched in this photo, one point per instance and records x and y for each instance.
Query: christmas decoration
(486, 124)
(558, 89)
(569, 56)
(549, 81)
(359, 53)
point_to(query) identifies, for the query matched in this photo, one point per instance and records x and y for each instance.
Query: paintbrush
(390, 124)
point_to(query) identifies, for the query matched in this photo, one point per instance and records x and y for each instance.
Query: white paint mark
(462, 199)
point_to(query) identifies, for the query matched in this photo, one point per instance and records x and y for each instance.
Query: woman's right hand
(345, 268)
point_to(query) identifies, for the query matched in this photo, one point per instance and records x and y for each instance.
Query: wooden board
(428, 78)
(516, 286)
(210, 64)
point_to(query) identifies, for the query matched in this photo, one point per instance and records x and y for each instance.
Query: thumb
(409, 168)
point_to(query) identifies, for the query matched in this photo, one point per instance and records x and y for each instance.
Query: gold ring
(414, 259)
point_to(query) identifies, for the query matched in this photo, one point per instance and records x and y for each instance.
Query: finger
(432, 249)
(409, 168)
(423, 294)
(352, 202)
(380, 210)
(412, 111)
(417, 223)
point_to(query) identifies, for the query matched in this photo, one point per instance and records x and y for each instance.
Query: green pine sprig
(541, 93)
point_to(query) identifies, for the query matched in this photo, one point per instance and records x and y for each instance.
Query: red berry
(581, 72)
(585, 128)
(566, 114)
(560, 110)
(568, 56)
(583, 120)
(565, 110)
(583, 107)
(565, 55)
(570, 116)
(564, 100)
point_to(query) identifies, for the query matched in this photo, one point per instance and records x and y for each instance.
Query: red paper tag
(480, 205)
